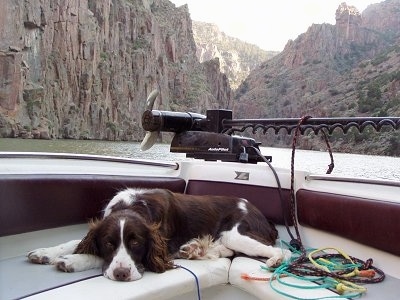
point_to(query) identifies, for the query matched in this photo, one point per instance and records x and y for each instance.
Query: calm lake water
(366, 166)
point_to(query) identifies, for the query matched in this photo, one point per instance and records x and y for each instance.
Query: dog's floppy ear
(88, 245)
(157, 259)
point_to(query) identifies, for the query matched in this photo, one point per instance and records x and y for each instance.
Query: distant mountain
(76, 72)
(237, 58)
(351, 68)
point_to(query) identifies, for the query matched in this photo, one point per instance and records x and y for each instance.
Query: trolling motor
(209, 136)
(197, 135)
(216, 146)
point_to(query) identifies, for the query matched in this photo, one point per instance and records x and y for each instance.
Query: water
(354, 165)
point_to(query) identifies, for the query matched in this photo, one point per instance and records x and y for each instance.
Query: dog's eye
(133, 243)
(109, 245)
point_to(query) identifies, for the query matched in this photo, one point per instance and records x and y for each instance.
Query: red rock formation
(83, 68)
(328, 69)
(348, 22)
(382, 16)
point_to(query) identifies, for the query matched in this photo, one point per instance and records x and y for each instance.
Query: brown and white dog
(145, 229)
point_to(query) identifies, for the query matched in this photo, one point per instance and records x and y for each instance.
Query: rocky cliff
(347, 69)
(237, 58)
(83, 68)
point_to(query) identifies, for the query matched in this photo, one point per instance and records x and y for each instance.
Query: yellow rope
(343, 285)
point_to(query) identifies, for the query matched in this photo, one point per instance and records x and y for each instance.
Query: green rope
(300, 268)
(327, 283)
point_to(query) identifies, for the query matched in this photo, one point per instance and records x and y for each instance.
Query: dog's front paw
(42, 256)
(66, 263)
(49, 255)
(77, 262)
(280, 256)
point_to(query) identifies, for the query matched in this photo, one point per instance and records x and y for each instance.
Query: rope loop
(338, 271)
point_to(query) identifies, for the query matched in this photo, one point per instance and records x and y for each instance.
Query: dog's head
(128, 245)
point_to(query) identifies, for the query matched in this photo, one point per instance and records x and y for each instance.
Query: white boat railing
(354, 180)
(47, 155)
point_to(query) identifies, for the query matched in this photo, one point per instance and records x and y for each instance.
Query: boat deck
(21, 279)
(42, 200)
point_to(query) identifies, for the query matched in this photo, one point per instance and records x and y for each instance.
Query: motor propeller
(151, 136)
(155, 121)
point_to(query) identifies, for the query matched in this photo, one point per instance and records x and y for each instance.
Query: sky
(268, 24)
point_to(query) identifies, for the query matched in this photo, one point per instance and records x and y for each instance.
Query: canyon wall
(350, 68)
(82, 69)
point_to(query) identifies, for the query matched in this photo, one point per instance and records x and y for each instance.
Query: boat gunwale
(90, 157)
(385, 182)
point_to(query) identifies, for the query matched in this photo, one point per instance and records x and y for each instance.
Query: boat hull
(47, 200)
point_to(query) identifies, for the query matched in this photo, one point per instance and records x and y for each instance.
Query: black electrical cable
(278, 182)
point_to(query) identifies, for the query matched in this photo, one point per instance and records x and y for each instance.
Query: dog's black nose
(122, 274)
